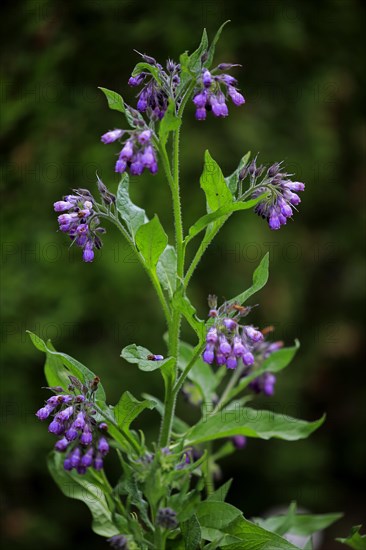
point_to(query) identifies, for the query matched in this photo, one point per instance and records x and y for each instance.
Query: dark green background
(302, 80)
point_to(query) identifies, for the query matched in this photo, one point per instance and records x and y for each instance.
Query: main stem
(174, 328)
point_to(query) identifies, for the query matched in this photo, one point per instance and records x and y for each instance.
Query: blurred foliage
(301, 77)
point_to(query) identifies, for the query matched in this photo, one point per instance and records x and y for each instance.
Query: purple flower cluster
(80, 222)
(279, 206)
(230, 343)
(153, 98)
(118, 542)
(137, 152)
(213, 90)
(167, 518)
(79, 433)
(227, 342)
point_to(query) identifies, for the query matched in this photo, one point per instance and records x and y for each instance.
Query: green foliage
(225, 525)
(300, 524)
(211, 51)
(260, 278)
(170, 123)
(151, 241)
(59, 366)
(166, 269)
(88, 488)
(139, 355)
(115, 101)
(132, 215)
(354, 540)
(251, 423)
(213, 183)
(128, 408)
(233, 179)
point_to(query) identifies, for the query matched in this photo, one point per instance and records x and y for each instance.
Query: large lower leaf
(87, 489)
(277, 361)
(60, 365)
(221, 521)
(251, 423)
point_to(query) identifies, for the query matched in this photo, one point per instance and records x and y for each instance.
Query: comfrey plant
(165, 497)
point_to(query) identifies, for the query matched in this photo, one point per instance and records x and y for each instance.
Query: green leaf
(151, 240)
(154, 71)
(169, 123)
(214, 185)
(225, 210)
(211, 51)
(354, 540)
(166, 269)
(303, 525)
(201, 373)
(253, 536)
(221, 521)
(115, 101)
(182, 303)
(251, 423)
(139, 356)
(233, 179)
(194, 60)
(221, 493)
(87, 489)
(128, 408)
(191, 531)
(132, 215)
(260, 278)
(60, 365)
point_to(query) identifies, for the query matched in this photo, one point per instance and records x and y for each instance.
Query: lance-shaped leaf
(222, 522)
(132, 215)
(233, 179)
(89, 488)
(60, 365)
(169, 123)
(260, 278)
(251, 423)
(214, 185)
(128, 408)
(211, 51)
(166, 269)
(354, 540)
(140, 356)
(303, 525)
(115, 101)
(221, 212)
(151, 240)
